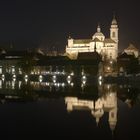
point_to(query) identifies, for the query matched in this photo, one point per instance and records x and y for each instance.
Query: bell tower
(114, 34)
(114, 30)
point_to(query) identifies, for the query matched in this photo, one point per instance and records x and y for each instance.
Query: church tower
(114, 30)
(114, 33)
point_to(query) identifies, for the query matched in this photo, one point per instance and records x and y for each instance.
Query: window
(112, 114)
(113, 34)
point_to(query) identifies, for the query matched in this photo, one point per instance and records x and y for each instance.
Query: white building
(132, 50)
(107, 47)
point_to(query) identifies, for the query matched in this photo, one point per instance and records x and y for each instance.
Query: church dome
(98, 34)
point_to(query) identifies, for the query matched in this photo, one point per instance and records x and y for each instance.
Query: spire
(69, 37)
(114, 21)
(98, 28)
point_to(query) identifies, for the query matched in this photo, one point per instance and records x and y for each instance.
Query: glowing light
(3, 77)
(13, 84)
(0, 84)
(111, 62)
(108, 86)
(19, 84)
(40, 78)
(72, 74)
(26, 80)
(63, 84)
(100, 78)
(100, 83)
(72, 84)
(84, 77)
(26, 76)
(84, 82)
(14, 77)
(108, 68)
(69, 79)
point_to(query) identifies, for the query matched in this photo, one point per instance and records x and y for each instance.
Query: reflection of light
(108, 68)
(108, 86)
(72, 74)
(100, 83)
(26, 80)
(54, 78)
(84, 82)
(63, 84)
(47, 83)
(58, 84)
(19, 84)
(40, 78)
(68, 81)
(69, 77)
(82, 86)
(84, 77)
(111, 62)
(100, 77)
(0, 84)
(32, 72)
(14, 77)
(72, 84)
(13, 84)
(3, 77)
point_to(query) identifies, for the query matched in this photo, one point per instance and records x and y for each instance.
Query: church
(106, 47)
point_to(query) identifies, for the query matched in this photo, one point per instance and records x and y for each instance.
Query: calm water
(69, 109)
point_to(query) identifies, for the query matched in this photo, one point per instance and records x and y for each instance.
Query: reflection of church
(107, 103)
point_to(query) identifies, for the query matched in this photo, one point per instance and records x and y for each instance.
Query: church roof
(82, 41)
(96, 40)
(131, 47)
(98, 34)
(109, 40)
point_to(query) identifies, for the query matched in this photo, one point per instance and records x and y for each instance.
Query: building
(107, 47)
(127, 64)
(132, 50)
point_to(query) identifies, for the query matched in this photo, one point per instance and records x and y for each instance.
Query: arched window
(113, 34)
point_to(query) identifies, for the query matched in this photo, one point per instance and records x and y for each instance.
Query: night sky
(45, 24)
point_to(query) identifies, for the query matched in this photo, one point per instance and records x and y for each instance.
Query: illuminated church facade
(107, 47)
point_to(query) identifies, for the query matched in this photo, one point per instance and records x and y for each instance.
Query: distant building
(127, 63)
(132, 50)
(107, 47)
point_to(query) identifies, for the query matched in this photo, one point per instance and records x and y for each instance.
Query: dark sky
(33, 23)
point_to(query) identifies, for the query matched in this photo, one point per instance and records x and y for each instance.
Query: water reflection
(97, 98)
(106, 103)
